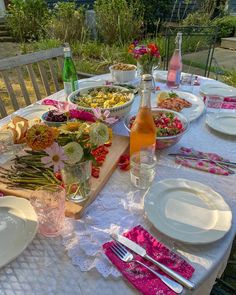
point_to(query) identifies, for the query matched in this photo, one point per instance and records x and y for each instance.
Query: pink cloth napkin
(2, 194)
(63, 106)
(228, 103)
(199, 164)
(141, 278)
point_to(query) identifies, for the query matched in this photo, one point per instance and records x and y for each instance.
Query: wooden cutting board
(119, 146)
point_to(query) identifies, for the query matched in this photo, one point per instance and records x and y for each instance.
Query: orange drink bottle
(143, 130)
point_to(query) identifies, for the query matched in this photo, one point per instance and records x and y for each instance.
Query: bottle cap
(66, 47)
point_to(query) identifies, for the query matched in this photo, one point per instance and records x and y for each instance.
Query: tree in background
(27, 19)
(155, 13)
(119, 21)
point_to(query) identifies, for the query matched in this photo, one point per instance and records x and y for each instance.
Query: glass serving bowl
(164, 141)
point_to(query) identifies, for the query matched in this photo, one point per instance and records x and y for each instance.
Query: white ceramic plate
(160, 76)
(217, 88)
(33, 111)
(18, 226)
(195, 110)
(91, 82)
(224, 122)
(187, 211)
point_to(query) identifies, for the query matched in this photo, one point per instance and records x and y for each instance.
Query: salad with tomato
(167, 124)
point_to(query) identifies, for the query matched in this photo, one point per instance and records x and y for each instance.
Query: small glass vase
(144, 68)
(77, 181)
(147, 68)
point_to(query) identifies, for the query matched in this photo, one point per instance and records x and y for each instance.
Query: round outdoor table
(45, 268)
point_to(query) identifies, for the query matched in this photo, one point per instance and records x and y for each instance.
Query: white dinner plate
(187, 211)
(160, 76)
(224, 122)
(195, 110)
(33, 111)
(18, 226)
(217, 88)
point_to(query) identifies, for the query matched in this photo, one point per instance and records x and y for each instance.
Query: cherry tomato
(95, 172)
(58, 175)
(73, 188)
(124, 162)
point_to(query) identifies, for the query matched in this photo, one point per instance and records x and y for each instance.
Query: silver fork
(120, 251)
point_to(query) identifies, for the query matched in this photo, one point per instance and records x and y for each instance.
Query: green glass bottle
(69, 75)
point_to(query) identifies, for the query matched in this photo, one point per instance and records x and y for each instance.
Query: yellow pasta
(103, 97)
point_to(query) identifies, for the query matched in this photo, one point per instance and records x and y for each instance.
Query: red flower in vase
(139, 51)
(154, 49)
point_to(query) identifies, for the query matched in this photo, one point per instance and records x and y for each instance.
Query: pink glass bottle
(175, 64)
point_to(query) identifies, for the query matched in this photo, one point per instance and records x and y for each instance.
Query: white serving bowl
(123, 76)
(117, 111)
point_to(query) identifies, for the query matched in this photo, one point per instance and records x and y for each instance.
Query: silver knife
(226, 163)
(142, 252)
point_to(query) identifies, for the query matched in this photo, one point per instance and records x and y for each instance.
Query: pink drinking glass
(49, 204)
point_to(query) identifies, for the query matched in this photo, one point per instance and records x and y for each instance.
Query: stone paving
(225, 58)
(8, 49)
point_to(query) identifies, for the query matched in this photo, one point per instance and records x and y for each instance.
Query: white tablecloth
(45, 268)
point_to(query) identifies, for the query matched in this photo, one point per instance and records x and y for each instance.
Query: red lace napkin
(140, 277)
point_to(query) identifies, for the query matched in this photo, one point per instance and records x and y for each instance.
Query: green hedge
(27, 19)
(226, 25)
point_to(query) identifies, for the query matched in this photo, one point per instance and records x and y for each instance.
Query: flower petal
(106, 113)
(111, 120)
(46, 160)
(49, 165)
(56, 168)
(97, 113)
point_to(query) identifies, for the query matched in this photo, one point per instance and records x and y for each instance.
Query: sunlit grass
(230, 78)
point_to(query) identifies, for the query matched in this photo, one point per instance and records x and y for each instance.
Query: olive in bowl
(170, 126)
(54, 119)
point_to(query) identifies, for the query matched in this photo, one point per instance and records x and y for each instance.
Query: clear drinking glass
(49, 204)
(77, 180)
(186, 82)
(142, 169)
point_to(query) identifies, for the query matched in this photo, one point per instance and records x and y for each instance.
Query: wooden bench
(18, 64)
(44, 68)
